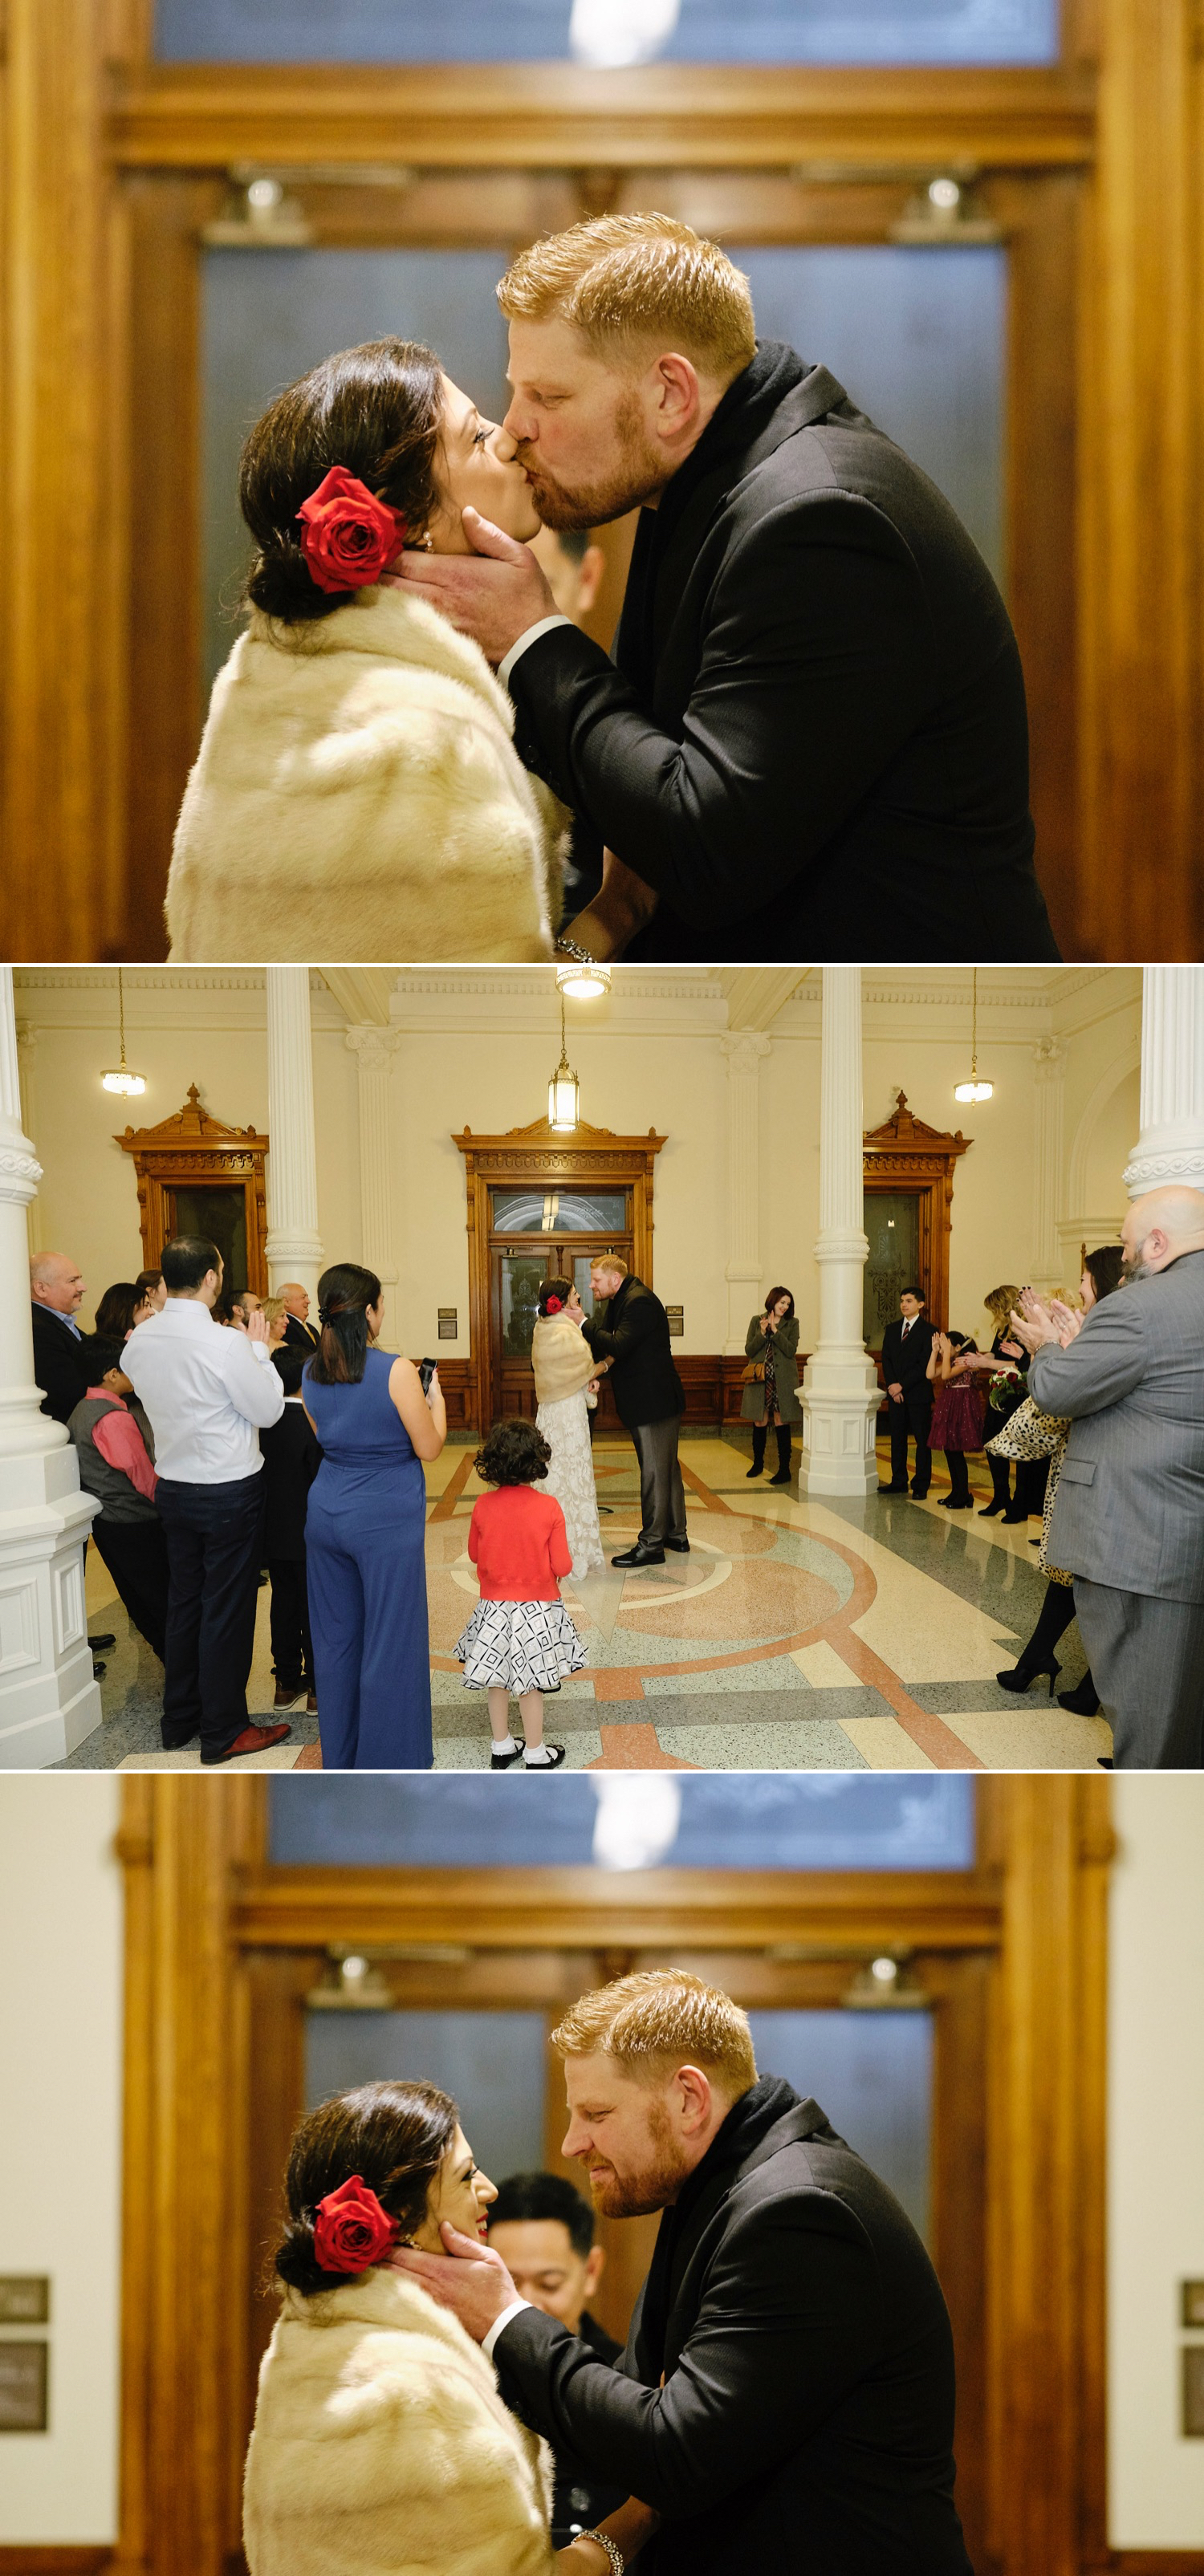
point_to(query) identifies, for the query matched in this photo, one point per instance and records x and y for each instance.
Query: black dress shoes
(640, 1555)
(100, 1645)
(680, 1546)
(892, 1489)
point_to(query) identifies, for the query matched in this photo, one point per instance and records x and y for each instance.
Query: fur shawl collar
(561, 1358)
(357, 794)
(381, 2446)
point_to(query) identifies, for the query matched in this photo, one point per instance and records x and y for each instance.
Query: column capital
(744, 1049)
(375, 1047)
(1049, 1058)
(20, 1171)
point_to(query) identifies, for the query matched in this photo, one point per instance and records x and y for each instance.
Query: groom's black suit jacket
(816, 734)
(635, 1339)
(806, 2421)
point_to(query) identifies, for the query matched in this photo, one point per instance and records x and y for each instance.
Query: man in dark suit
(650, 1400)
(906, 1351)
(291, 1456)
(299, 1333)
(786, 2398)
(60, 1362)
(544, 2232)
(817, 718)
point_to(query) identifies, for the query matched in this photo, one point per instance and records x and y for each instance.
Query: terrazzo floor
(836, 1635)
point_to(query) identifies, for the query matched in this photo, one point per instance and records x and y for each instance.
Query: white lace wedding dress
(565, 1427)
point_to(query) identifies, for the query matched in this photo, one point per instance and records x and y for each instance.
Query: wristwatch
(613, 2551)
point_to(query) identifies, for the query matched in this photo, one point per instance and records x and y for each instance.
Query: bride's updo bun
(394, 2136)
(377, 412)
(554, 1296)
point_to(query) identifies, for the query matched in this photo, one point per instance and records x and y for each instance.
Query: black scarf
(747, 2123)
(747, 408)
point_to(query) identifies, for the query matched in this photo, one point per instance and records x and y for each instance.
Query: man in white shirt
(208, 1391)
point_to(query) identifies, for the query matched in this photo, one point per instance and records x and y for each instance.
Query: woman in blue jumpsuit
(364, 1535)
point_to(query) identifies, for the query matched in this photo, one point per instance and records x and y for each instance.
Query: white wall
(1156, 2156)
(60, 2141)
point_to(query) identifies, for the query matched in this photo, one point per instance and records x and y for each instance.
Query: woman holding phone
(365, 1533)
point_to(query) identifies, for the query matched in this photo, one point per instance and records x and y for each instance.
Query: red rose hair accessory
(553, 1306)
(351, 2230)
(348, 536)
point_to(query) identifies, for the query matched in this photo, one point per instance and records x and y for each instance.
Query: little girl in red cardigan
(520, 1637)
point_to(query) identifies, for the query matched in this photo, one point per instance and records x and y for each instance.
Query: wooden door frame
(904, 1154)
(201, 1898)
(593, 1157)
(191, 1147)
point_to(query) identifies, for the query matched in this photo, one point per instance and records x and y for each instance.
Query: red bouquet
(351, 2230)
(348, 537)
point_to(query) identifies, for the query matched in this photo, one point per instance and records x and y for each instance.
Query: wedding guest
(57, 1289)
(650, 1398)
(1003, 1371)
(150, 1284)
(298, 1330)
(380, 2441)
(906, 1349)
(566, 1377)
(365, 1533)
(771, 1381)
(291, 1459)
(544, 2231)
(113, 1444)
(1130, 1503)
(957, 1414)
(121, 1307)
(207, 1393)
(520, 1641)
(357, 792)
(1030, 1432)
(574, 567)
(275, 1315)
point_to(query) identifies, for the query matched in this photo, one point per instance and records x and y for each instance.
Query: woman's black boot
(760, 1434)
(1000, 1490)
(783, 1475)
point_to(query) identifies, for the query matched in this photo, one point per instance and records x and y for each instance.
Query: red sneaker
(254, 1739)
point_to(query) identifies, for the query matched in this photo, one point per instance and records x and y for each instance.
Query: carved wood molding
(905, 1154)
(191, 1146)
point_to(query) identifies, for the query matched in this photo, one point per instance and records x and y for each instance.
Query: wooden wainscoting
(712, 1381)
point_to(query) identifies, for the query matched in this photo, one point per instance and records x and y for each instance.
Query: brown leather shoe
(286, 1693)
(254, 1739)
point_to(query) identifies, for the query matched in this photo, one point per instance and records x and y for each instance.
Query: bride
(566, 1375)
(357, 792)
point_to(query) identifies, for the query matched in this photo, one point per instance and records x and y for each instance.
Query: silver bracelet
(583, 958)
(613, 2551)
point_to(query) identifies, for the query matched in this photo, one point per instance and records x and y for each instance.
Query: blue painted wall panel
(707, 31)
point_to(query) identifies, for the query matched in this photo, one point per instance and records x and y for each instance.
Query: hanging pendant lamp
(973, 1089)
(564, 1090)
(121, 1077)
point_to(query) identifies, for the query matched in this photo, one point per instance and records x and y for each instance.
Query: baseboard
(30, 2558)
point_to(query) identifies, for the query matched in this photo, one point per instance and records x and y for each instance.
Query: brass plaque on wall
(24, 2299)
(23, 2386)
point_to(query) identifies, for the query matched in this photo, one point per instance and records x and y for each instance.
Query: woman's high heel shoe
(1022, 1675)
(987, 1511)
(1083, 1699)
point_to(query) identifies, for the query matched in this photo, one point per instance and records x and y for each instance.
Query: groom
(815, 717)
(650, 1400)
(785, 2402)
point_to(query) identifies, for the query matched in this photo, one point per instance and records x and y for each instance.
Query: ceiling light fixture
(973, 1089)
(584, 980)
(121, 1077)
(564, 1090)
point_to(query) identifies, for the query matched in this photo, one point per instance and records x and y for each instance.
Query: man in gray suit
(1128, 1521)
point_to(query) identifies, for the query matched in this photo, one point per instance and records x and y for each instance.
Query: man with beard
(1128, 1521)
(650, 1400)
(786, 2397)
(817, 719)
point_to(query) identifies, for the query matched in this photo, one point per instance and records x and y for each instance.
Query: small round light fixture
(973, 1089)
(121, 1077)
(584, 980)
(564, 1090)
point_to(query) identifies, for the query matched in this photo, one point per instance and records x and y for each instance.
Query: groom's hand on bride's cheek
(494, 594)
(469, 2279)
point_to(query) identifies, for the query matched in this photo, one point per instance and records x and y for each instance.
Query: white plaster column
(744, 1051)
(840, 1382)
(294, 1247)
(374, 1050)
(1049, 1078)
(49, 1700)
(1170, 1147)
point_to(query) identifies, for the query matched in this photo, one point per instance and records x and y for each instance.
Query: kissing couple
(786, 2397)
(814, 719)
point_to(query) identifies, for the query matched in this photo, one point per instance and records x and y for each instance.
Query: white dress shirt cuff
(542, 626)
(515, 2309)
(262, 1353)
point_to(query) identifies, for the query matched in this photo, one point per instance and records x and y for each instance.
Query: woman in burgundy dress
(957, 1414)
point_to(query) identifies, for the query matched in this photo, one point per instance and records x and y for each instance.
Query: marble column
(840, 1382)
(1049, 1071)
(374, 1050)
(49, 1700)
(744, 1051)
(1170, 1147)
(294, 1247)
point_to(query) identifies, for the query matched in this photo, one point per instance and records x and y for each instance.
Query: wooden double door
(517, 1271)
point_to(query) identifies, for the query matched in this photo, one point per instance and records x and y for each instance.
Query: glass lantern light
(973, 1089)
(584, 980)
(122, 1077)
(564, 1090)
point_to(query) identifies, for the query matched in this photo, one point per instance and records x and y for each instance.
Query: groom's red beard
(638, 475)
(655, 2183)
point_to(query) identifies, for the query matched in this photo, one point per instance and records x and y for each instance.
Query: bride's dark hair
(377, 411)
(394, 2136)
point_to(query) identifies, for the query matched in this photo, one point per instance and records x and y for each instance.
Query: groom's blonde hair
(633, 283)
(658, 2019)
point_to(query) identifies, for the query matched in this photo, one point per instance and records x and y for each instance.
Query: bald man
(56, 1291)
(1128, 1522)
(298, 1330)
